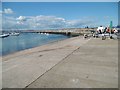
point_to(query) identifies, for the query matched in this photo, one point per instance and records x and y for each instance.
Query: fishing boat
(4, 35)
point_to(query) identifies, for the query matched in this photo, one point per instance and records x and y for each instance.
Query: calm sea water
(13, 44)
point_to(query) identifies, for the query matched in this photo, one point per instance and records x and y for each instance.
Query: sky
(55, 15)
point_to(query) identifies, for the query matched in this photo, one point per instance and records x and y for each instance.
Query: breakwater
(68, 32)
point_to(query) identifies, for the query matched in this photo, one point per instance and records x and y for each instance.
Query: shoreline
(21, 44)
(34, 49)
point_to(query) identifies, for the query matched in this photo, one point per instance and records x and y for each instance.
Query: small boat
(4, 35)
(15, 34)
(47, 34)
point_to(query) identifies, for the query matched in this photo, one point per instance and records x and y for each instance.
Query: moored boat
(47, 34)
(15, 34)
(4, 35)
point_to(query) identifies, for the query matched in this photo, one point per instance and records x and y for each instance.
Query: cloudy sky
(51, 15)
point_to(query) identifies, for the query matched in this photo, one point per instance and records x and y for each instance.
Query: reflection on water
(26, 40)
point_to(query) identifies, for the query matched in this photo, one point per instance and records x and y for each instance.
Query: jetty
(68, 31)
(72, 63)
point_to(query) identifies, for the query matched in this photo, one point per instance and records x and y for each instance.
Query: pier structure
(68, 32)
(70, 63)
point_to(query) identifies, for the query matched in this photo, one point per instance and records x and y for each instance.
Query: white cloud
(42, 22)
(21, 18)
(7, 11)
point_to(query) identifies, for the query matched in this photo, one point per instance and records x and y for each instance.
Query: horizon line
(59, 0)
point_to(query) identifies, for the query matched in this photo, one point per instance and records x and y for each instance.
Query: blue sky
(45, 15)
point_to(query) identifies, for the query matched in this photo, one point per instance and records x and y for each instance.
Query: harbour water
(24, 41)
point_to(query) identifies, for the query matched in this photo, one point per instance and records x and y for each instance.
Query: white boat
(4, 35)
(47, 34)
(15, 34)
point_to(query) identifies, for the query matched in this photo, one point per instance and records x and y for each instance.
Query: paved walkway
(69, 63)
(22, 68)
(93, 65)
